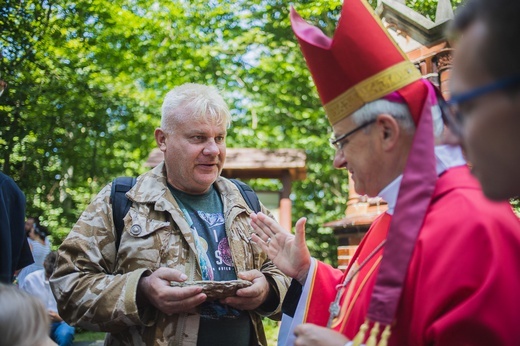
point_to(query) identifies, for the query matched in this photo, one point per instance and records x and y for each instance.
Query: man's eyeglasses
(337, 143)
(451, 113)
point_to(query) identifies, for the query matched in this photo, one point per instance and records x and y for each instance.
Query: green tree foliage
(65, 116)
(515, 203)
(86, 80)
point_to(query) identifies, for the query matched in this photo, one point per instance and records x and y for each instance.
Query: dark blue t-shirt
(220, 324)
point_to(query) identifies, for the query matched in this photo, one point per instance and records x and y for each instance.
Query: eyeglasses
(451, 113)
(337, 143)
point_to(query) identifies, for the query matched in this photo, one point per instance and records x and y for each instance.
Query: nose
(339, 159)
(211, 147)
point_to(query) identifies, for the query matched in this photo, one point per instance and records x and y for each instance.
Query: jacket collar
(152, 187)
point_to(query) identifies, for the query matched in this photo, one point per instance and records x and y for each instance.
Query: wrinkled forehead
(199, 123)
(193, 118)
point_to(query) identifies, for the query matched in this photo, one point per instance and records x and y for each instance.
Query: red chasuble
(354, 302)
(463, 281)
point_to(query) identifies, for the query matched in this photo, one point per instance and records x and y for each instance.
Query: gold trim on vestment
(371, 89)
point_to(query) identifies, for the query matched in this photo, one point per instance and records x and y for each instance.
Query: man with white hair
(186, 223)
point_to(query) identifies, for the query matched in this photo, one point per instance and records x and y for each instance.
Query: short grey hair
(400, 112)
(23, 318)
(196, 101)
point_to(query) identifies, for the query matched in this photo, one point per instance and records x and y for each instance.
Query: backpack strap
(120, 203)
(248, 194)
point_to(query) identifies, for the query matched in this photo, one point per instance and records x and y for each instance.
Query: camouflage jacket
(95, 285)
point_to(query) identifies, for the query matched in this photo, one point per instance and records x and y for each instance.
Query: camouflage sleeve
(88, 292)
(279, 282)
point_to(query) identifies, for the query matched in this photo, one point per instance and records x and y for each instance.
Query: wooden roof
(249, 163)
(361, 211)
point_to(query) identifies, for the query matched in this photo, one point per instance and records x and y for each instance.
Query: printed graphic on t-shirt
(225, 252)
(212, 234)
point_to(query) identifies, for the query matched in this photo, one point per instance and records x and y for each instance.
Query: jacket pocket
(142, 241)
(140, 226)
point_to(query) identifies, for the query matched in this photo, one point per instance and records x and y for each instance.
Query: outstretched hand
(287, 251)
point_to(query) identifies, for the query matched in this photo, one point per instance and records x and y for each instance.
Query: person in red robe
(441, 266)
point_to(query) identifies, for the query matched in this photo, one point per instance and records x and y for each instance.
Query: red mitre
(360, 64)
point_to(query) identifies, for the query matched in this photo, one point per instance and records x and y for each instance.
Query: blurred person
(438, 267)
(40, 247)
(29, 224)
(15, 252)
(186, 223)
(23, 319)
(37, 284)
(485, 93)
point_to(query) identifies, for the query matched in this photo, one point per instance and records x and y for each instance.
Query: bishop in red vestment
(460, 288)
(442, 266)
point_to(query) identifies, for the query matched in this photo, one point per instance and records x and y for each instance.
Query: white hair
(195, 101)
(400, 112)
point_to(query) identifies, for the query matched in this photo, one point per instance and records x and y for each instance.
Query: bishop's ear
(389, 130)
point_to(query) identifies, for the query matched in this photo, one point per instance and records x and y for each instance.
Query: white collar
(446, 157)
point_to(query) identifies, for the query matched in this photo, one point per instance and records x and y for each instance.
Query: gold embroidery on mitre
(371, 89)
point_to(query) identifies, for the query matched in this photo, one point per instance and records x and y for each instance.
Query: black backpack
(121, 204)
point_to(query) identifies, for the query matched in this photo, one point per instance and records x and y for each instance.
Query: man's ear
(389, 131)
(160, 138)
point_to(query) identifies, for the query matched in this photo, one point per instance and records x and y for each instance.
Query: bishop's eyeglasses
(338, 142)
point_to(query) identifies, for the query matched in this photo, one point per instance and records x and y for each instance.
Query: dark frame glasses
(337, 142)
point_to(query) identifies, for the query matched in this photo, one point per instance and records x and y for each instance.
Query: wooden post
(285, 202)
